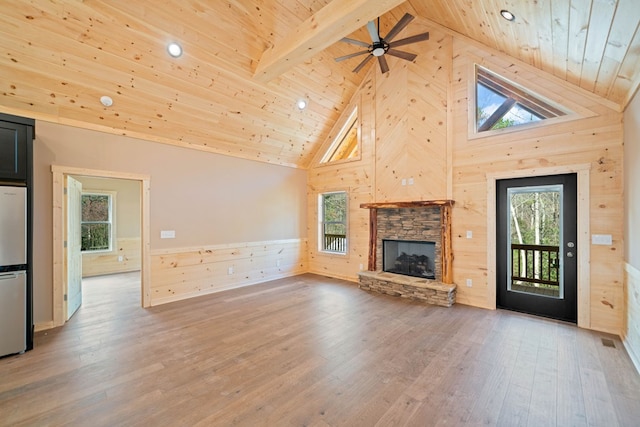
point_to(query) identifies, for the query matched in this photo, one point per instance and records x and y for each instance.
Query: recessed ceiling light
(106, 101)
(174, 49)
(301, 104)
(507, 15)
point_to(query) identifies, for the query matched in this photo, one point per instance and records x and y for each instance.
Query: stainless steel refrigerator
(13, 270)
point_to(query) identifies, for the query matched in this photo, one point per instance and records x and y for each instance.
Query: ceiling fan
(380, 46)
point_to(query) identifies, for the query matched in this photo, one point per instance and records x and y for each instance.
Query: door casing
(59, 218)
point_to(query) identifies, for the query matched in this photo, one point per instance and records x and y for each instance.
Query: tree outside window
(333, 222)
(96, 222)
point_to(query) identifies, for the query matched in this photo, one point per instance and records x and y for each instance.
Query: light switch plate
(168, 234)
(601, 239)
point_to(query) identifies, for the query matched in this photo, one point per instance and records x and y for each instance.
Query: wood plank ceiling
(59, 57)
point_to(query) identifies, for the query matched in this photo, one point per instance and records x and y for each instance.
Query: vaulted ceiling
(247, 62)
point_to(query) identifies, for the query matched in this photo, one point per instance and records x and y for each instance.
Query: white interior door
(74, 246)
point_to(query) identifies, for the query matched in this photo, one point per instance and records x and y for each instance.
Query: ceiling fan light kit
(384, 45)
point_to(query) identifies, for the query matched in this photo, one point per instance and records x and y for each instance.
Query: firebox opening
(411, 258)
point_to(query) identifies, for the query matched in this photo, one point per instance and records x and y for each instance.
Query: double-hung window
(333, 222)
(97, 222)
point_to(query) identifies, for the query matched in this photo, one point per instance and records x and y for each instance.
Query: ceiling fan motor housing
(380, 48)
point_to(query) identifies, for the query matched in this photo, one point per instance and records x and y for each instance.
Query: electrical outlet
(278, 263)
(411, 181)
(404, 181)
(230, 270)
(361, 267)
(469, 234)
(469, 283)
(120, 258)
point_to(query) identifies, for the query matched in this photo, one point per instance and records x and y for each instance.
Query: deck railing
(335, 242)
(537, 264)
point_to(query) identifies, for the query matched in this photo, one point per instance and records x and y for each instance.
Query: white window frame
(112, 201)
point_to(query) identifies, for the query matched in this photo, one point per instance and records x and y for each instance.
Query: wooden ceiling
(247, 62)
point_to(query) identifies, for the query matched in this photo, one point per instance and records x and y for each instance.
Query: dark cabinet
(13, 151)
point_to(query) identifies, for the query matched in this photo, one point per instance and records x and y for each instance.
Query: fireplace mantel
(416, 204)
(445, 230)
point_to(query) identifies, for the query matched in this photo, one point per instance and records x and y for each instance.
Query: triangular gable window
(346, 144)
(501, 104)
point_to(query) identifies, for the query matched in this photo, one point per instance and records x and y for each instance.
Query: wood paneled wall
(592, 137)
(411, 124)
(403, 137)
(632, 321)
(356, 177)
(95, 264)
(418, 127)
(186, 273)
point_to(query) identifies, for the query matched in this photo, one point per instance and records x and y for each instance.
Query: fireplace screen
(411, 258)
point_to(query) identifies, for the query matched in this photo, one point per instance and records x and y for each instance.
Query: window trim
(111, 222)
(345, 126)
(572, 111)
(321, 223)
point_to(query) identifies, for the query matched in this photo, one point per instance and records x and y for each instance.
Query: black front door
(536, 245)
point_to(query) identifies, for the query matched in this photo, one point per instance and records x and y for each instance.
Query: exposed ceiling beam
(334, 21)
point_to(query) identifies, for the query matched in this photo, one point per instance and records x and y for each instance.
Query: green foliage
(96, 236)
(96, 222)
(500, 124)
(538, 216)
(334, 210)
(504, 123)
(535, 220)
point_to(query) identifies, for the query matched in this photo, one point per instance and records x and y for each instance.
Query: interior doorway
(60, 217)
(103, 232)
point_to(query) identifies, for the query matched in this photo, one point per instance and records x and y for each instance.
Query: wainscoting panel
(109, 262)
(184, 273)
(631, 336)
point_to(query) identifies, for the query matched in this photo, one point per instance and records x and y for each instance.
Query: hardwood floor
(312, 351)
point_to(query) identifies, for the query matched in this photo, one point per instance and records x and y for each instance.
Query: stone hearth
(411, 221)
(415, 288)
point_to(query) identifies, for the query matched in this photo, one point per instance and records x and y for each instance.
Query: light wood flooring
(312, 351)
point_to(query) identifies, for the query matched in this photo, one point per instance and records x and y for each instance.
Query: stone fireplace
(410, 251)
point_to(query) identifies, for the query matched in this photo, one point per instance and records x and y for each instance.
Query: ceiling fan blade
(384, 67)
(373, 31)
(403, 22)
(353, 41)
(412, 39)
(351, 55)
(362, 64)
(400, 54)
